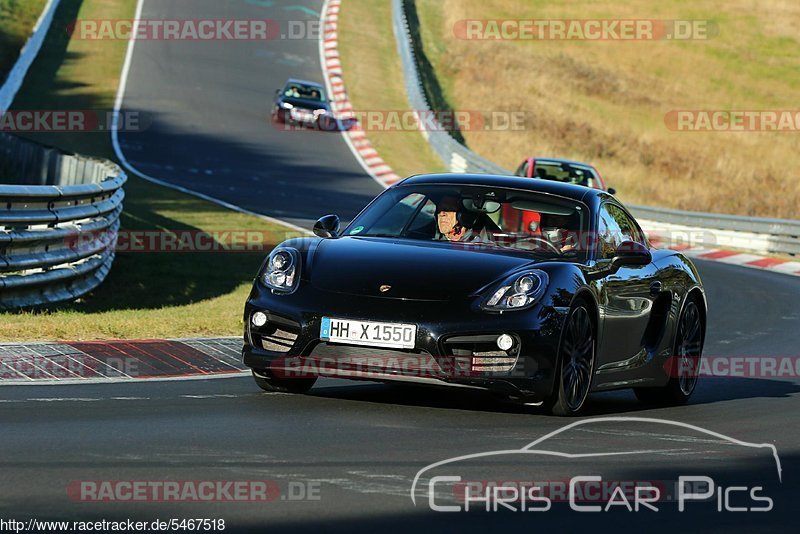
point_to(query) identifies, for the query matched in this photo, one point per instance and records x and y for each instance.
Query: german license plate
(369, 333)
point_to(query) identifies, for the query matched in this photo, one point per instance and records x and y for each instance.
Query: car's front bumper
(455, 341)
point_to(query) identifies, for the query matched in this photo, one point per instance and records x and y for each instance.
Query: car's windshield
(485, 216)
(306, 92)
(566, 172)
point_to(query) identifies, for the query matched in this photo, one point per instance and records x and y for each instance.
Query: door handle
(655, 288)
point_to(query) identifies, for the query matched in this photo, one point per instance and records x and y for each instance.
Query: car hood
(416, 270)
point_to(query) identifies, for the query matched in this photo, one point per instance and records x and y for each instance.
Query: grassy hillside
(605, 102)
(17, 18)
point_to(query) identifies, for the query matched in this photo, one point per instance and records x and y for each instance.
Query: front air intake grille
(483, 353)
(280, 341)
(277, 335)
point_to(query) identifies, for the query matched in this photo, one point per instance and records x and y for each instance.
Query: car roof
(575, 192)
(303, 82)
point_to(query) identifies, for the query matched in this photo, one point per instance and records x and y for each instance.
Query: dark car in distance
(444, 280)
(303, 103)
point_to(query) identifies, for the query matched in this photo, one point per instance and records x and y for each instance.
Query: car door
(626, 295)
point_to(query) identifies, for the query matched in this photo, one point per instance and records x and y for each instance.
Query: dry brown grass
(605, 102)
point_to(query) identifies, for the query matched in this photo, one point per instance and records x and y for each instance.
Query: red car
(563, 170)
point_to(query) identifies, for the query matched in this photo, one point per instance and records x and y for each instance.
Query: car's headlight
(517, 292)
(282, 272)
(286, 105)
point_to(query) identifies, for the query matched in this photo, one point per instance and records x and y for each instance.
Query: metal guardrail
(455, 156)
(759, 235)
(57, 241)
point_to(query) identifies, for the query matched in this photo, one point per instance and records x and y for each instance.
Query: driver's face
(446, 221)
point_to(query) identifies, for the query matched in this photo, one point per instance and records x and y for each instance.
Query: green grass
(146, 295)
(17, 18)
(373, 76)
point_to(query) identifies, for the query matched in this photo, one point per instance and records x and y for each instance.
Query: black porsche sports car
(535, 290)
(302, 102)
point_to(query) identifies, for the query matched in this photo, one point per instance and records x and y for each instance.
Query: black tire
(269, 383)
(576, 362)
(685, 363)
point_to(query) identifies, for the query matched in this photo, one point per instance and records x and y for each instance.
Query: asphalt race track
(360, 445)
(207, 106)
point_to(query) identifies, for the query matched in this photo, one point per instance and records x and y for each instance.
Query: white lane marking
(101, 399)
(123, 84)
(740, 259)
(212, 396)
(64, 399)
(118, 380)
(790, 267)
(369, 486)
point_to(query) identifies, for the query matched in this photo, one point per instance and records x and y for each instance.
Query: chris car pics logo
(443, 486)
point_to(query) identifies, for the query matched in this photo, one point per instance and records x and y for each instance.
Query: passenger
(531, 222)
(559, 234)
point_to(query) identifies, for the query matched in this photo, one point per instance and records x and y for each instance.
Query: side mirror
(612, 191)
(277, 92)
(327, 226)
(631, 254)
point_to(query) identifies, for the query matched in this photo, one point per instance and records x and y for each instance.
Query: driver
(448, 226)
